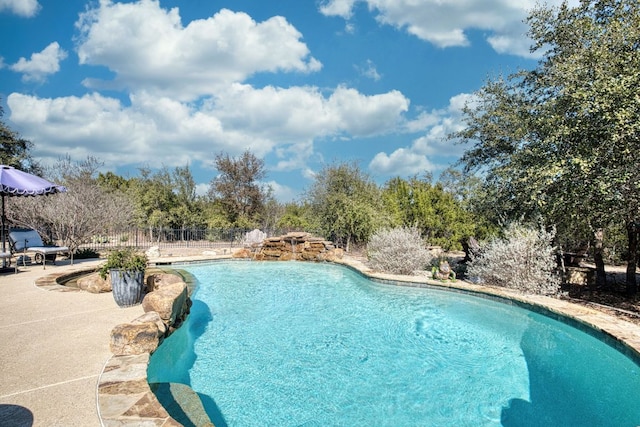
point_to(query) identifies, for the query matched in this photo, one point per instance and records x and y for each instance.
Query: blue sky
(300, 83)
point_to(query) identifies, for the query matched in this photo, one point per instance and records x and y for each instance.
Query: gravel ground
(612, 298)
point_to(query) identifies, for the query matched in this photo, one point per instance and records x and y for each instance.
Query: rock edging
(294, 246)
(125, 397)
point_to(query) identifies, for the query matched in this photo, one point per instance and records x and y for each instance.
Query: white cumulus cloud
(369, 70)
(342, 8)
(149, 48)
(401, 162)
(169, 131)
(26, 8)
(41, 64)
(446, 23)
(438, 124)
(367, 115)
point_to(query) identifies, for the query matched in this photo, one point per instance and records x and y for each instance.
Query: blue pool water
(300, 344)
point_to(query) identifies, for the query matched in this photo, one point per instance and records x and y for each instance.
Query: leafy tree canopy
(238, 188)
(346, 204)
(15, 151)
(562, 141)
(436, 213)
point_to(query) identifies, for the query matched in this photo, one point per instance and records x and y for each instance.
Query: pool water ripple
(292, 344)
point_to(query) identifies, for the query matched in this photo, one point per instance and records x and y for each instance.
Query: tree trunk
(601, 277)
(632, 236)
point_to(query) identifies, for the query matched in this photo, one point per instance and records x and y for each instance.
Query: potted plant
(126, 269)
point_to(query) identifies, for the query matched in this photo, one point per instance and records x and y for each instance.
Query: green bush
(86, 253)
(124, 259)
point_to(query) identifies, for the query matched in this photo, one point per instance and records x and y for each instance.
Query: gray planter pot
(127, 287)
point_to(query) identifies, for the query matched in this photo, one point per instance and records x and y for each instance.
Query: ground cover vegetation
(556, 145)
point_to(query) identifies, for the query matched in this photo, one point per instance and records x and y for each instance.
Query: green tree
(397, 196)
(562, 141)
(295, 217)
(112, 182)
(187, 212)
(163, 199)
(154, 197)
(15, 151)
(474, 197)
(273, 212)
(238, 188)
(436, 213)
(214, 215)
(184, 185)
(346, 204)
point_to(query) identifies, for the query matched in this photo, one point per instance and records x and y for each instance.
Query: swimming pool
(303, 344)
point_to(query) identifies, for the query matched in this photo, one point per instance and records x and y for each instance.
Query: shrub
(398, 250)
(125, 259)
(99, 239)
(86, 253)
(253, 238)
(524, 259)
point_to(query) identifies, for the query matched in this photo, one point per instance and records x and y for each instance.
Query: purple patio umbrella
(16, 183)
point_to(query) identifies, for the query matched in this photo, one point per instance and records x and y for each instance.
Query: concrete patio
(54, 347)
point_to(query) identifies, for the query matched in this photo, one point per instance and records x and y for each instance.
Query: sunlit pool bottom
(300, 344)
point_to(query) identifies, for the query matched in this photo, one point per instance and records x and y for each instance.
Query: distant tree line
(342, 204)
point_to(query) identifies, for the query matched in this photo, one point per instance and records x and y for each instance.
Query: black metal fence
(140, 238)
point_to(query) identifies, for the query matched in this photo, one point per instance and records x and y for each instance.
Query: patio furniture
(23, 240)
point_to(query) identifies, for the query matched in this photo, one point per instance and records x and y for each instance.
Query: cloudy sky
(300, 83)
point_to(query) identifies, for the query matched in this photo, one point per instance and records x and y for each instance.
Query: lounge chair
(25, 240)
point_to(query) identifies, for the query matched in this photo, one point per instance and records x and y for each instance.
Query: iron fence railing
(144, 238)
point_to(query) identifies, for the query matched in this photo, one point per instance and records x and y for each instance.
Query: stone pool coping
(125, 397)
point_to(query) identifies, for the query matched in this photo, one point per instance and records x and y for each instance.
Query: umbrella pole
(4, 243)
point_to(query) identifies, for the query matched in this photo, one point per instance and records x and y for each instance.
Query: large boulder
(94, 283)
(152, 317)
(169, 300)
(135, 338)
(297, 246)
(156, 281)
(242, 253)
(166, 305)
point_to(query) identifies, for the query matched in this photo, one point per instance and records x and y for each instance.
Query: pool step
(182, 403)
